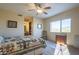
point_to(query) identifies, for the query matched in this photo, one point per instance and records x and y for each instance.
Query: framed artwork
(12, 24)
(39, 26)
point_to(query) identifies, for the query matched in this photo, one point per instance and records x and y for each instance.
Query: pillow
(1, 39)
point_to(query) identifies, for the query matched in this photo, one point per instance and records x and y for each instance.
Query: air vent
(19, 14)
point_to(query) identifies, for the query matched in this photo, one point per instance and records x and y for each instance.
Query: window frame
(69, 25)
(61, 28)
(55, 31)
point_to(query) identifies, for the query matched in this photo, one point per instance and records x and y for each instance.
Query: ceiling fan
(40, 8)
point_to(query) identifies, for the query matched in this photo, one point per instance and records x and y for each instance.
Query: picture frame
(12, 24)
(39, 26)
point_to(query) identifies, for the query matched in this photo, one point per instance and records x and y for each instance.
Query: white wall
(6, 15)
(74, 15)
(37, 32)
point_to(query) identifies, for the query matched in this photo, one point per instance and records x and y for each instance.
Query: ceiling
(22, 8)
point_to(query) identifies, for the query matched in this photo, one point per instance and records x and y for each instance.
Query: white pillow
(1, 39)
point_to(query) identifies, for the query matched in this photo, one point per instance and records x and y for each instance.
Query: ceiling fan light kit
(39, 11)
(41, 8)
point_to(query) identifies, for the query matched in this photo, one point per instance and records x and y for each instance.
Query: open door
(28, 25)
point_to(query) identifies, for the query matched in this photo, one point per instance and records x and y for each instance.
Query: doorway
(28, 21)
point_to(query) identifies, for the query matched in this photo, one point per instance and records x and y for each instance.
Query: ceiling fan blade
(37, 5)
(45, 12)
(47, 8)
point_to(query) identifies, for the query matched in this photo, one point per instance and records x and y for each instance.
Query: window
(61, 26)
(66, 25)
(55, 26)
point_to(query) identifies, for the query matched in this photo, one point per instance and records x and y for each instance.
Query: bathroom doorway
(28, 21)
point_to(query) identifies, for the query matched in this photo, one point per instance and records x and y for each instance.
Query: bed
(21, 46)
